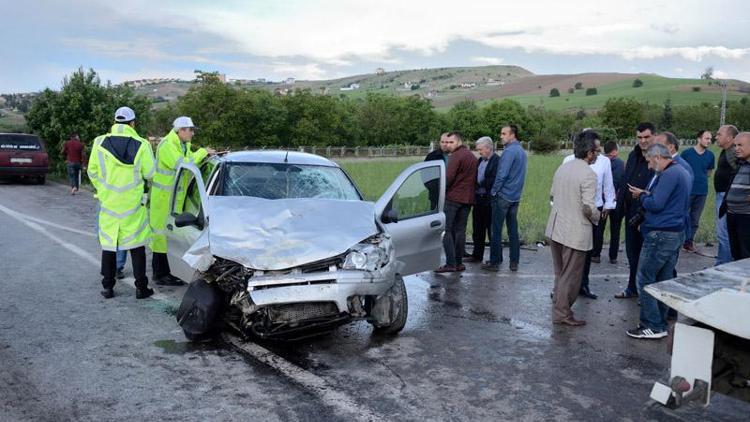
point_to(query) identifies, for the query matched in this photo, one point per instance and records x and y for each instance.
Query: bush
(591, 91)
(554, 92)
(637, 83)
(696, 89)
(579, 85)
(571, 90)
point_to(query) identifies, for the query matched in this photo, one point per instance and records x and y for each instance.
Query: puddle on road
(182, 347)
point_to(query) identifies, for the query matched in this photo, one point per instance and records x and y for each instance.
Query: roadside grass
(374, 176)
(655, 90)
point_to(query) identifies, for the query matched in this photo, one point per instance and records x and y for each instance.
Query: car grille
(301, 311)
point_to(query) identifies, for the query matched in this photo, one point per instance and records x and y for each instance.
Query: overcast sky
(42, 41)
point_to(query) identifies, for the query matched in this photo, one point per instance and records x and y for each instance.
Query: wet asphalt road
(476, 347)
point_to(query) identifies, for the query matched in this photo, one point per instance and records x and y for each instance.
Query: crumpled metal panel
(278, 234)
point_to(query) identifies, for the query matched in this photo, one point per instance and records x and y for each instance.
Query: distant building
(222, 77)
(289, 81)
(468, 85)
(349, 87)
(380, 71)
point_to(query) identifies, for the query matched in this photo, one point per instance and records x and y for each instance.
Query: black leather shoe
(120, 275)
(143, 293)
(585, 292)
(108, 293)
(514, 266)
(168, 280)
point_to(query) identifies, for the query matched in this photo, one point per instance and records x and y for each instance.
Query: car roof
(28, 135)
(271, 156)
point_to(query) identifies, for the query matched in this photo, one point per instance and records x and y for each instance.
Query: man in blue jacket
(663, 230)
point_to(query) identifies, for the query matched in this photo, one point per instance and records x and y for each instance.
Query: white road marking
(58, 226)
(317, 385)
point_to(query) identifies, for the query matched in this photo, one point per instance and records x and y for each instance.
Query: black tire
(402, 304)
(41, 179)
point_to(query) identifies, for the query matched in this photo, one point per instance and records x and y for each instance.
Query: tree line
(230, 116)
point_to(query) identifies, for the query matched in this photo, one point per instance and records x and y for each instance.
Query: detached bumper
(327, 286)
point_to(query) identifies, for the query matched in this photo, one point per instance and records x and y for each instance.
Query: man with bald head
(725, 169)
(737, 200)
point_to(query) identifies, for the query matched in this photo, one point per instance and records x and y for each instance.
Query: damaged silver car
(282, 245)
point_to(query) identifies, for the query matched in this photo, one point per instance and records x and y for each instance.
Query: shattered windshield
(283, 181)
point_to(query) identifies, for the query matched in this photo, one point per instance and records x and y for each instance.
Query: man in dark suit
(482, 213)
(615, 216)
(433, 186)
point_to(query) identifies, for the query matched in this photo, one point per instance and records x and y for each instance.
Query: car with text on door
(282, 244)
(23, 156)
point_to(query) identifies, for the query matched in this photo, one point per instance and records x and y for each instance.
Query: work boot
(108, 293)
(143, 293)
(168, 280)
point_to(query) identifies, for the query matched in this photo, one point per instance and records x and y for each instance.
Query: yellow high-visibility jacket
(170, 153)
(119, 163)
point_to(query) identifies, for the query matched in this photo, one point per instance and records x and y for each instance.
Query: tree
(83, 105)
(554, 92)
(637, 83)
(579, 85)
(548, 128)
(571, 90)
(591, 91)
(464, 116)
(500, 113)
(667, 117)
(708, 74)
(622, 115)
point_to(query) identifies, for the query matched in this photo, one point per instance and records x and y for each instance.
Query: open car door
(187, 218)
(411, 210)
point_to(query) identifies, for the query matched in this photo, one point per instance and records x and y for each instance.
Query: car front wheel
(389, 311)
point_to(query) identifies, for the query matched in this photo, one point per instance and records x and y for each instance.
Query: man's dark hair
(642, 127)
(456, 134)
(700, 133)
(513, 129)
(672, 140)
(610, 146)
(585, 142)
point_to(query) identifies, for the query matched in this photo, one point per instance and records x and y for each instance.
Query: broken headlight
(369, 255)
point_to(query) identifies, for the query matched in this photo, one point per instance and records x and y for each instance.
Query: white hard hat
(124, 115)
(182, 122)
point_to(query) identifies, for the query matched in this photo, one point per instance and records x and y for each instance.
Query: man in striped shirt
(738, 200)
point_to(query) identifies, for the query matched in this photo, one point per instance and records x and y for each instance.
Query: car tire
(41, 179)
(398, 290)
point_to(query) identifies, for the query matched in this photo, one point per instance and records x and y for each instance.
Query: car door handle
(169, 227)
(436, 223)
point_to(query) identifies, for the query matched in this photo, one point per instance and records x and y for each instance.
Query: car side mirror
(390, 216)
(185, 219)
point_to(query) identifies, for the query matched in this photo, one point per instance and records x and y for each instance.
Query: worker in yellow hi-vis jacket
(173, 150)
(120, 161)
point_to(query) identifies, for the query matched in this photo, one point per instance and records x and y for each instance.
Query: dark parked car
(23, 156)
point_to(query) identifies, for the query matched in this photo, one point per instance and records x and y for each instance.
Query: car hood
(265, 234)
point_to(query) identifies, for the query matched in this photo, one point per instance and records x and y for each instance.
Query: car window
(20, 143)
(282, 181)
(418, 195)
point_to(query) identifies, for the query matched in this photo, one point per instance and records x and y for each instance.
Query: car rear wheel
(396, 303)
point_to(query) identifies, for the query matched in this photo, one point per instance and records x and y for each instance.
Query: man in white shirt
(605, 201)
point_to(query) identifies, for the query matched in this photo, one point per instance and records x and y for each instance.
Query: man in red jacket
(461, 176)
(75, 158)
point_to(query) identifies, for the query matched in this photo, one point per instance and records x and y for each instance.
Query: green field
(11, 121)
(655, 90)
(374, 176)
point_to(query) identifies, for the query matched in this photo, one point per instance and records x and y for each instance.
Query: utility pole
(723, 101)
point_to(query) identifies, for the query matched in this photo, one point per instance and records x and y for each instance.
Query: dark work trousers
(481, 224)
(160, 264)
(598, 237)
(587, 263)
(454, 240)
(633, 245)
(615, 225)
(738, 226)
(109, 267)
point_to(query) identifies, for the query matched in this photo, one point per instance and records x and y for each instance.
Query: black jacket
(489, 173)
(637, 174)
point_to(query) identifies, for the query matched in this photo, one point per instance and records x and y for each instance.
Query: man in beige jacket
(569, 227)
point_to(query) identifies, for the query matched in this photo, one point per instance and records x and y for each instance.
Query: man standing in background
(615, 216)
(432, 185)
(461, 178)
(701, 160)
(638, 174)
(725, 169)
(506, 194)
(738, 200)
(75, 159)
(482, 213)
